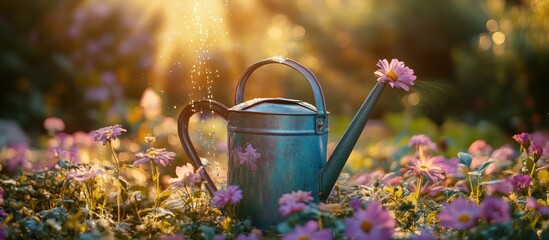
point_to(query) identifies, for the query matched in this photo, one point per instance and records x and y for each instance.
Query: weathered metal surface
(278, 145)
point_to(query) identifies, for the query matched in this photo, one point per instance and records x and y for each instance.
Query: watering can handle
(315, 85)
(183, 129)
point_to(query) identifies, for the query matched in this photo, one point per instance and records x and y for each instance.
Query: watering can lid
(276, 106)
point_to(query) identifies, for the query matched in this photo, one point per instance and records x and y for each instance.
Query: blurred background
(481, 65)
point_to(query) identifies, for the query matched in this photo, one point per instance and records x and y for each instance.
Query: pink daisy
(460, 214)
(395, 73)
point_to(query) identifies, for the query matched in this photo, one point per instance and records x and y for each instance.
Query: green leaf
(484, 166)
(465, 159)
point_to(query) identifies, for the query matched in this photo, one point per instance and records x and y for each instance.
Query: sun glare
(197, 27)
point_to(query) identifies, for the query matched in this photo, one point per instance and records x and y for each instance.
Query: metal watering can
(277, 145)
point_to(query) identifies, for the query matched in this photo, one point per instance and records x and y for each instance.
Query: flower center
(392, 75)
(366, 226)
(424, 168)
(463, 218)
(304, 238)
(108, 133)
(153, 153)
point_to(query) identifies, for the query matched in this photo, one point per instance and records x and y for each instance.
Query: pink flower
(524, 139)
(82, 139)
(297, 196)
(422, 140)
(460, 214)
(83, 174)
(426, 167)
(502, 187)
(520, 181)
(308, 231)
(395, 73)
(532, 203)
(495, 210)
(107, 134)
(159, 155)
(502, 157)
(370, 223)
(186, 176)
(428, 188)
(292, 207)
(248, 157)
(480, 148)
(54, 124)
(294, 202)
(231, 195)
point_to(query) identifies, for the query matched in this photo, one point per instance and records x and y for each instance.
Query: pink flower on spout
(395, 73)
(248, 157)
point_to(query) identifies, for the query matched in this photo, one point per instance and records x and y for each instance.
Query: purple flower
(355, 204)
(426, 167)
(502, 187)
(460, 214)
(3, 214)
(449, 166)
(422, 141)
(159, 155)
(308, 231)
(107, 134)
(243, 236)
(17, 157)
(370, 223)
(53, 124)
(495, 210)
(186, 176)
(536, 150)
(177, 236)
(83, 174)
(248, 157)
(520, 181)
(395, 73)
(231, 195)
(524, 139)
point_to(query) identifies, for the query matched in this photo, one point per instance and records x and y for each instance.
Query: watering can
(277, 145)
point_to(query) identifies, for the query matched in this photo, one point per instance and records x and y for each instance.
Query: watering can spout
(334, 166)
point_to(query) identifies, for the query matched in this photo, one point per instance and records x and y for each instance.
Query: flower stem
(156, 182)
(418, 191)
(117, 173)
(531, 179)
